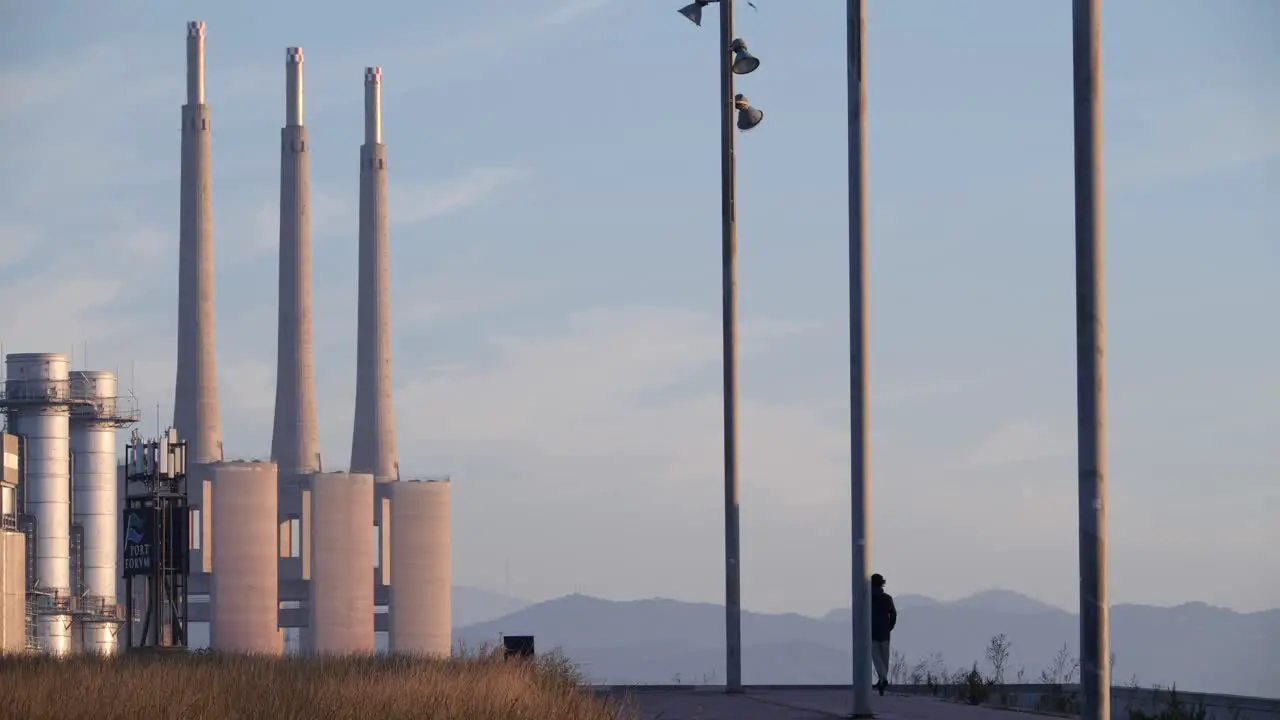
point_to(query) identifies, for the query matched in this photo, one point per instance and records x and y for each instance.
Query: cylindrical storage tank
(421, 619)
(341, 520)
(244, 590)
(95, 505)
(37, 390)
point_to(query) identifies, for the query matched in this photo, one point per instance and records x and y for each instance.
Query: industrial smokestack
(373, 106)
(295, 440)
(373, 444)
(195, 404)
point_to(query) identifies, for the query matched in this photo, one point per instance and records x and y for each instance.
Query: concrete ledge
(783, 702)
(1063, 700)
(1024, 698)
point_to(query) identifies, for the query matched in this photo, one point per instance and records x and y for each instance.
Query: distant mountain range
(1197, 646)
(473, 605)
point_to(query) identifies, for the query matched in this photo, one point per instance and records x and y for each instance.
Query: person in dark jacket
(884, 617)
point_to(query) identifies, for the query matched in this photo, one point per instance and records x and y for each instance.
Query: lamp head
(748, 117)
(693, 11)
(743, 61)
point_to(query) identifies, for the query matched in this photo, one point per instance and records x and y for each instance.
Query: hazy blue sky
(556, 275)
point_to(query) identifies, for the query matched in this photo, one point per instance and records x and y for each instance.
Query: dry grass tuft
(219, 687)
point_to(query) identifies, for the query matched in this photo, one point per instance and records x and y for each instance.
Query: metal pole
(1095, 665)
(128, 612)
(859, 507)
(729, 326)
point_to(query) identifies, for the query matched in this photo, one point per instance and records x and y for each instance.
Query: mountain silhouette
(1197, 646)
(473, 605)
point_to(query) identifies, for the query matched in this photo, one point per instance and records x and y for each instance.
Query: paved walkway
(712, 703)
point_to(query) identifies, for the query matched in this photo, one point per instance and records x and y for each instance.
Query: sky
(554, 173)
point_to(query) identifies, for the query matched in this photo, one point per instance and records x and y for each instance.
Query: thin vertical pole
(859, 505)
(128, 612)
(729, 324)
(1091, 421)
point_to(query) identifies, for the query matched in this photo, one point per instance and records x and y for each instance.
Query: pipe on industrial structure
(373, 445)
(341, 600)
(295, 440)
(421, 568)
(95, 417)
(244, 592)
(38, 399)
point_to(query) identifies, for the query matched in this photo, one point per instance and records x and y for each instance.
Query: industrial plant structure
(96, 415)
(100, 553)
(62, 426)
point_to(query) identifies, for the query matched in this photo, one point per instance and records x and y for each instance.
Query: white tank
(341, 524)
(421, 568)
(244, 589)
(37, 392)
(95, 502)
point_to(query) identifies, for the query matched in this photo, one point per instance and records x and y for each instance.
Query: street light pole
(735, 59)
(1091, 405)
(729, 343)
(859, 506)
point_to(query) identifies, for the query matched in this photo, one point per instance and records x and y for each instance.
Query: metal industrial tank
(244, 589)
(421, 568)
(37, 397)
(341, 530)
(96, 503)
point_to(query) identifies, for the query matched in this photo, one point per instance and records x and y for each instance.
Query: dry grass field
(212, 687)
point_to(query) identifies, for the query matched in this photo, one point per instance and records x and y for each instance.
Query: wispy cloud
(896, 393)
(59, 78)
(250, 229)
(419, 202)
(457, 290)
(1016, 443)
(18, 241)
(499, 34)
(597, 389)
(1176, 141)
(570, 10)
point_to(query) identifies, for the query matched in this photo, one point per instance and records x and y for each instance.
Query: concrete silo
(341, 554)
(421, 568)
(244, 589)
(38, 400)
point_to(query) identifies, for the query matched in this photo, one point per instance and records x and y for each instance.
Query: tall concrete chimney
(373, 443)
(295, 442)
(195, 403)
